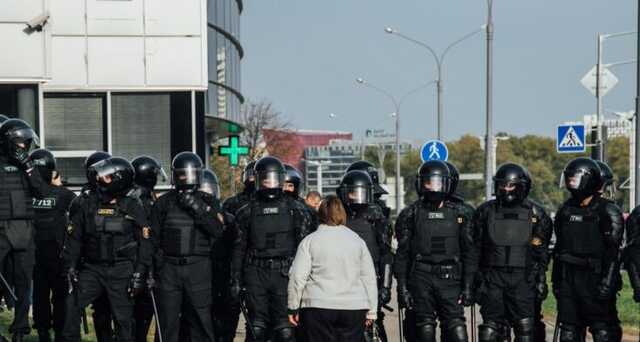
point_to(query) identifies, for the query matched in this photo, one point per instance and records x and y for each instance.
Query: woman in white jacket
(332, 283)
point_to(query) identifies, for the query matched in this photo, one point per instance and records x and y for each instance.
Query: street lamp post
(488, 164)
(439, 65)
(396, 105)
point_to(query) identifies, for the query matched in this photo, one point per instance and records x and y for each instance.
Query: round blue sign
(434, 150)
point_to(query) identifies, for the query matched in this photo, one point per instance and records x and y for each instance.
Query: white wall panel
(68, 61)
(20, 10)
(114, 17)
(116, 61)
(163, 17)
(166, 67)
(68, 17)
(26, 57)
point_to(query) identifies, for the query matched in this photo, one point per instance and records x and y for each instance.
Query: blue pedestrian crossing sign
(570, 139)
(434, 150)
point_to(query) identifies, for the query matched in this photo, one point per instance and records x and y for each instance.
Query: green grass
(6, 318)
(628, 310)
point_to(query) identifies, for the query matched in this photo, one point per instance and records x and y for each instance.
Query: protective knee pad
(602, 332)
(426, 332)
(524, 329)
(285, 335)
(456, 331)
(569, 333)
(489, 332)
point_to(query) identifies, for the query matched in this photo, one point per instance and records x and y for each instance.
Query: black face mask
(249, 187)
(45, 173)
(433, 197)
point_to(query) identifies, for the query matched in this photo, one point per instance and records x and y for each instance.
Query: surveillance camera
(38, 22)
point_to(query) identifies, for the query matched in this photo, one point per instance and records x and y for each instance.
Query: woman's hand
(368, 323)
(294, 319)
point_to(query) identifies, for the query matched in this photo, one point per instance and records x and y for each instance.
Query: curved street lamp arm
(414, 90)
(385, 93)
(465, 37)
(417, 42)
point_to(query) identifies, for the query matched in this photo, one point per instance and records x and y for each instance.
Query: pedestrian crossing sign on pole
(570, 139)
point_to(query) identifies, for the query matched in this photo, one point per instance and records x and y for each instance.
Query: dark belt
(184, 260)
(108, 263)
(444, 271)
(271, 263)
(578, 261)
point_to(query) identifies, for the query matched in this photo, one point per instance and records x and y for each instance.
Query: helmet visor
(270, 180)
(434, 183)
(358, 195)
(506, 185)
(210, 188)
(24, 136)
(161, 173)
(187, 176)
(575, 180)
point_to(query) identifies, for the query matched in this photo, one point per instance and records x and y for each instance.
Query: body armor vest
(272, 233)
(48, 221)
(437, 235)
(580, 233)
(181, 236)
(111, 238)
(365, 229)
(15, 195)
(509, 232)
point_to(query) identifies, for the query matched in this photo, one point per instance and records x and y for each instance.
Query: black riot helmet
(91, 160)
(3, 118)
(433, 181)
(455, 177)
(270, 175)
(356, 188)
(249, 177)
(17, 139)
(43, 161)
(209, 183)
(367, 167)
(511, 184)
(294, 177)
(607, 186)
(186, 169)
(147, 171)
(582, 177)
(114, 176)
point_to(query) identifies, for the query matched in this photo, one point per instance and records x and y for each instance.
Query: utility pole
(488, 173)
(637, 121)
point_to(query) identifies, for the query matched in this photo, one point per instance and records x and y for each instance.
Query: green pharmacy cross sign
(233, 151)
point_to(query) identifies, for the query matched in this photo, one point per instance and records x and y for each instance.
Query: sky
(304, 57)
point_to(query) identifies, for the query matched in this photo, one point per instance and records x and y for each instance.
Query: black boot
(44, 336)
(17, 337)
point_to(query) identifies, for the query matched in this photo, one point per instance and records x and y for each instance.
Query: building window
(74, 122)
(141, 125)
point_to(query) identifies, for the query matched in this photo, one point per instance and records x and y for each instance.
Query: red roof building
(289, 145)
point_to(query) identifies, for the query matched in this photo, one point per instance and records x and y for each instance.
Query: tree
(255, 117)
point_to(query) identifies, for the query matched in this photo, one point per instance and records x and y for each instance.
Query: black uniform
(48, 286)
(632, 252)
(186, 236)
(586, 268)
(112, 241)
(17, 189)
(269, 231)
(371, 225)
(143, 309)
(514, 255)
(434, 256)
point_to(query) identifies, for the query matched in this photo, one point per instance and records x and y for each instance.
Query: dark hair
(314, 194)
(331, 211)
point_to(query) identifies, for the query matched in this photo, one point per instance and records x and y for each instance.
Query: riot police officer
(608, 189)
(17, 188)
(147, 171)
(378, 190)
(586, 275)
(367, 219)
(513, 242)
(101, 311)
(269, 230)
(51, 213)
(434, 263)
(224, 310)
(187, 228)
(107, 249)
(293, 186)
(233, 204)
